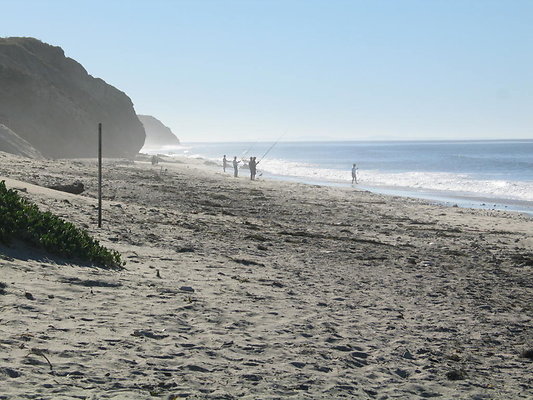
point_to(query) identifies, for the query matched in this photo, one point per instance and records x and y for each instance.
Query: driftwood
(74, 188)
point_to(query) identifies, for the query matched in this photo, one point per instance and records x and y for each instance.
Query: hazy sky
(222, 70)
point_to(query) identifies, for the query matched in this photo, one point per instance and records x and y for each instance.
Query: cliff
(51, 101)
(12, 143)
(157, 134)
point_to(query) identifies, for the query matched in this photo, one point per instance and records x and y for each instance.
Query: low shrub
(23, 220)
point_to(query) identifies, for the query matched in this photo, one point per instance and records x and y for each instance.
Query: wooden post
(99, 175)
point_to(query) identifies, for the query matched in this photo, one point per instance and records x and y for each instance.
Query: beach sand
(263, 290)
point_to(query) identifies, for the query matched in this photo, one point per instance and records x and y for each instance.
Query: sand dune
(263, 290)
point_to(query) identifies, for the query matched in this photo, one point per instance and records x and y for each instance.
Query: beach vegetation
(22, 220)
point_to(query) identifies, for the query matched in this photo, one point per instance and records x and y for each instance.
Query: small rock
(342, 348)
(356, 362)
(345, 386)
(148, 334)
(298, 364)
(456, 375)
(197, 368)
(252, 377)
(29, 296)
(10, 372)
(454, 357)
(402, 373)
(528, 354)
(187, 289)
(185, 249)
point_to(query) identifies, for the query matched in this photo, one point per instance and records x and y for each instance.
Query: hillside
(10, 142)
(157, 134)
(51, 101)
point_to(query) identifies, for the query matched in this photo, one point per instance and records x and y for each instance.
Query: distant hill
(157, 134)
(10, 142)
(51, 101)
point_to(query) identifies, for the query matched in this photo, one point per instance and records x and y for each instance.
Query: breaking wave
(441, 181)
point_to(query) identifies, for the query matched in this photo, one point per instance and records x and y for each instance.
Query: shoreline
(238, 289)
(445, 197)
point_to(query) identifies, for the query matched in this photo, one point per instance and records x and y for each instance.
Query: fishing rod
(271, 147)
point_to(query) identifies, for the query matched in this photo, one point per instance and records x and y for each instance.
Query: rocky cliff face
(10, 142)
(157, 134)
(53, 103)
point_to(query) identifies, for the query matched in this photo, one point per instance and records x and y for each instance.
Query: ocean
(496, 174)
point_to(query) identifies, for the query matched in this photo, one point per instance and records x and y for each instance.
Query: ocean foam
(441, 181)
(464, 184)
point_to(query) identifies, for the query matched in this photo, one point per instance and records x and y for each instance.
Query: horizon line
(359, 140)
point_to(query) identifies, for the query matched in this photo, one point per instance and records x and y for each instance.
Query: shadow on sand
(21, 251)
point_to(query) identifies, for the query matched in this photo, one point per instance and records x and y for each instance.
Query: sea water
(491, 174)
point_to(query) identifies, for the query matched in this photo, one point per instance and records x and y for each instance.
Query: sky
(235, 70)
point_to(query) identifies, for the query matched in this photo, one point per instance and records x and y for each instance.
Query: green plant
(24, 221)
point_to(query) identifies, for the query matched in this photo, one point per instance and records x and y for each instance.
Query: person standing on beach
(354, 174)
(252, 164)
(235, 167)
(224, 163)
(255, 167)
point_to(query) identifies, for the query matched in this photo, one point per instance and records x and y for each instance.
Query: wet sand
(263, 290)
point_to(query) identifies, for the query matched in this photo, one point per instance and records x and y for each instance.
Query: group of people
(252, 166)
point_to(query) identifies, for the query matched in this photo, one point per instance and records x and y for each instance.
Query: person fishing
(354, 174)
(224, 163)
(252, 164)
(255, 167)
(235, 167)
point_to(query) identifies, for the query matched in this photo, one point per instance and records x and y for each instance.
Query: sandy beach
(263, 290)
